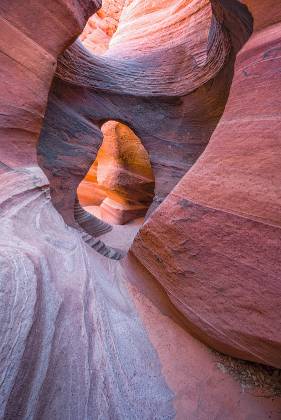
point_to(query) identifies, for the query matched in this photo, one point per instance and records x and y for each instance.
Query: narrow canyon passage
(167, 110)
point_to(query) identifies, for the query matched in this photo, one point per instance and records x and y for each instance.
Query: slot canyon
(140, 202)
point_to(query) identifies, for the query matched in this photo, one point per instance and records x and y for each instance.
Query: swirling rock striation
(71, 342)
(171, 101)
(82, 336)
(28, 66)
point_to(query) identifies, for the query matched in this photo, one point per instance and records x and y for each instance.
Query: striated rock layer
(214, 244)
(72, 345)
(172, 97)
(82, 336)
(86, 337)
(28, 66)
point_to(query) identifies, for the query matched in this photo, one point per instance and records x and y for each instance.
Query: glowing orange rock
(101, 27)
(121, 172)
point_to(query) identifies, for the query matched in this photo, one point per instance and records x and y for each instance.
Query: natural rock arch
(87, 337)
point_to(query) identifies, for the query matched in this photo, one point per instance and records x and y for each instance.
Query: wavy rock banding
(87, 337)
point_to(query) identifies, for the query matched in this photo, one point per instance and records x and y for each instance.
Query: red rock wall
(171, 103)
(81, 335)
(214, 244)
(265, 13)
(25, 86)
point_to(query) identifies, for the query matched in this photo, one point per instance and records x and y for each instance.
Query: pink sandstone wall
(84, 336)
(218, 256)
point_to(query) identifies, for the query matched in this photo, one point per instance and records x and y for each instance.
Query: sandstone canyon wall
(174, 116)
(125, 173)
(218, 258)
(87, 337)
(96, 38)
(28, 66)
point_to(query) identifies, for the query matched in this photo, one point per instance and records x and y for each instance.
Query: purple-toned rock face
(84, 336)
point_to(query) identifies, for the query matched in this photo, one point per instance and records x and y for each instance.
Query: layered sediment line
(220, 252)
(87, 337)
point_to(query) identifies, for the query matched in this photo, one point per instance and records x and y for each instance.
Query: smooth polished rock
(72, 344)
(30, 42)
(82, 336)
(87, 337)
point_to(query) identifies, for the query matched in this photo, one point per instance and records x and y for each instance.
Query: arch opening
(119, 186)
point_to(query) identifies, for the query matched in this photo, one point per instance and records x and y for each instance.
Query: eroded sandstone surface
(84, 336)
(102, 25)
(224, 217)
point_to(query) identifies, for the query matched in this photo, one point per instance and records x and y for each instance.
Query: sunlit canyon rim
(140, 203)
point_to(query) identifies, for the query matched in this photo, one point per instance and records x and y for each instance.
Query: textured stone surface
(202, 387)
(82, 336)
(89, 338)
(28, 61)
(172, 97)
(265, 13)
(123, 167)
(72, 345)
(219, 257)
(119, 214)
(101, 26)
